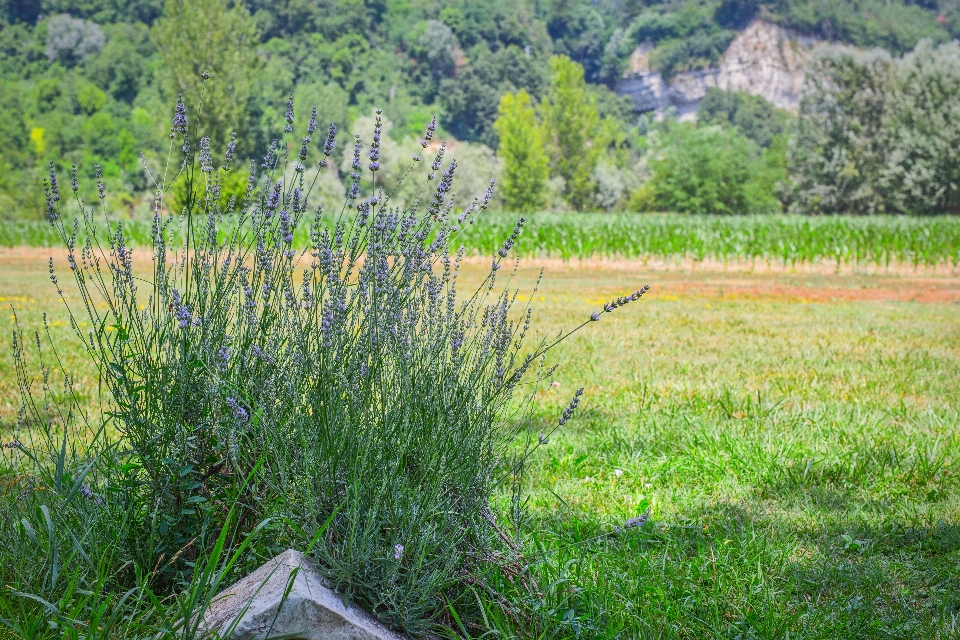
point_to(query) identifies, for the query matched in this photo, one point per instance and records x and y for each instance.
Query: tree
(712, 170)
(571, 118)
(204, 36)
(525, 163)
(922, 131)
(70, 40)
(753, 116)
(120, 68)
(470, 100)
(838, 150)
(577, 30)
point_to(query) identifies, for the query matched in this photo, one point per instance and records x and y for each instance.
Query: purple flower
(611, 306)
(304, 149)
(288, 116)
(326, 328)
(99, 173)
(52, 213)
(375, 145)
(574, 403)
(437, 161)
(179, 119)
(312, 125)
(397, 551)
(74, 184)
(238, 412)
(181, 311)
(428, 136)
(268, 159)
(330, 142)
(274, 201)
(508, 243)
(595, 317)
(54, 186)
(206, 158)
(487, 196)
(231, 150)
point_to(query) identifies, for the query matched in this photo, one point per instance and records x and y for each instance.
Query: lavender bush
(350, 382)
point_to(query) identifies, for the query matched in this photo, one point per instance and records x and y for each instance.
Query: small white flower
(648, 485)
(588, 479)
(618, 472)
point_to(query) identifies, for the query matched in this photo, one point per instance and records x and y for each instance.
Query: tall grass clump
(343, 395)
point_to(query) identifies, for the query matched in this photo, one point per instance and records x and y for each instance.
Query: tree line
(525, 88)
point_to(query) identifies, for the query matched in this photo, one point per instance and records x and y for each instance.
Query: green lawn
(799, 456)
(795, 437)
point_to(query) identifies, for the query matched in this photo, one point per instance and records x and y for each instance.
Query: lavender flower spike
(231, 151)
(238, 412)
(574, 403)
(428, 135)
(330, 142)
(179, 119)
(288, 116)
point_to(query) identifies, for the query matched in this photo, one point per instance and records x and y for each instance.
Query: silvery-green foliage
(614, 184)
(71, 39)
(481, 160)
(349, 377)
(395, 156)
(836, 154)
(879, 135)
(922, 172)
(441, 47)
(484, 166)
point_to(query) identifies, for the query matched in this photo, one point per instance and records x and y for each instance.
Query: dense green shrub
(922, 132)
(572, 124)
(710, 169)
(344, 395)
(877, 134)
(837, 151)
(896, 26)
(523, 149)
(752, 116)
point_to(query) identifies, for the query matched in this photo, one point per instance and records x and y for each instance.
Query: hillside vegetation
(90, 82)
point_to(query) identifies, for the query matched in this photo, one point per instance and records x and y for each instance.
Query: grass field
(794, 435)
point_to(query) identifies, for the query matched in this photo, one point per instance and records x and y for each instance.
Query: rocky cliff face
(764, 59)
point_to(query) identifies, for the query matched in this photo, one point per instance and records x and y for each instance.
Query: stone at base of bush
(310, 610)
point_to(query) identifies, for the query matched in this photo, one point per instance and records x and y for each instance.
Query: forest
(92, 83)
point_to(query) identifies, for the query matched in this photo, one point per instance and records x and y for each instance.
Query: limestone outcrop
(764, 59)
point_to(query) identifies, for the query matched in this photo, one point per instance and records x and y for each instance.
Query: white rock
(764, 59)
(767, 60)
(310, 610)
